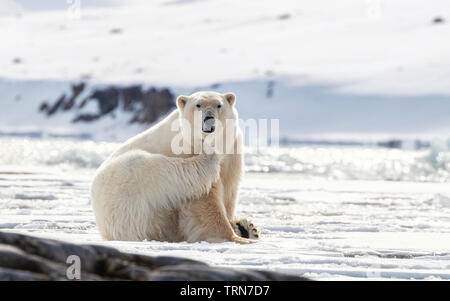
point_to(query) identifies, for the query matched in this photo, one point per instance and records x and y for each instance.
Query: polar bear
(149, 189)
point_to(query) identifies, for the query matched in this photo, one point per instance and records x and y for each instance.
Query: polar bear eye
(219, 106)
(198, 105)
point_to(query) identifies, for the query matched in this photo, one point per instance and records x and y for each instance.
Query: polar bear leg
(245, 228)
(205, 219)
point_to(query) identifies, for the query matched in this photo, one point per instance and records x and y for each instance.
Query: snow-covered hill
(324, 68)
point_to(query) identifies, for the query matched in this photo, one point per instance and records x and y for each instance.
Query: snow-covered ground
(331, 219)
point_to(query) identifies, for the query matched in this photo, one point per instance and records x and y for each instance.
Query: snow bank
(326, 69)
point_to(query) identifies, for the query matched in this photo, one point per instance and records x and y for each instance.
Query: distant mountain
(144, 106)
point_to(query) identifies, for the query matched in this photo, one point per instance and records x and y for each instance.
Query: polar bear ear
(230, 97)
(181, 101)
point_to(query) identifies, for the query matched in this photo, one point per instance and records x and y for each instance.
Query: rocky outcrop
(144, 106)
(25, 257)
(438, 20)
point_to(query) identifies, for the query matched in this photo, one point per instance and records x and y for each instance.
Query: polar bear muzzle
(209, 123)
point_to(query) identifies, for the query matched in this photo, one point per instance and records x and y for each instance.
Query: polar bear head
(209, 114)
(210, 107)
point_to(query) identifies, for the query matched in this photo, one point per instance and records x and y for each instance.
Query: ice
(326, 229)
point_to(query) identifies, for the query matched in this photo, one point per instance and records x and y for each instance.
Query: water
(329, 162)
(353, 163)
(54, 152)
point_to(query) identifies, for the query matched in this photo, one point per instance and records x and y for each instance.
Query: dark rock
(131, 96)
(116, 31)
(83, 103)
(270, 87)
(144, 106)
(108, 99)
(43, 107)
(25, 257)
(391, 143)
(284, 16)
(76, 91)
(86, 117)
(59, 103)
(16, 275)
(438, 20)
(154, 104)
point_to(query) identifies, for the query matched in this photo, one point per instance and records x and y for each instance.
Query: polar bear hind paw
(245, 228)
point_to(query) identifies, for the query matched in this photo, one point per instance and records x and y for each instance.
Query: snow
(329, 71)
(348, 69)
(324, 41)
(324, 228)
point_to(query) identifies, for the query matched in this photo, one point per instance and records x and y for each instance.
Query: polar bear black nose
(209, 124)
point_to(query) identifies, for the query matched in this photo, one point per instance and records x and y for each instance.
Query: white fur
(138, 191)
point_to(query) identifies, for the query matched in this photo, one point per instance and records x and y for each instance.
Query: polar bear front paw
(245, 228)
